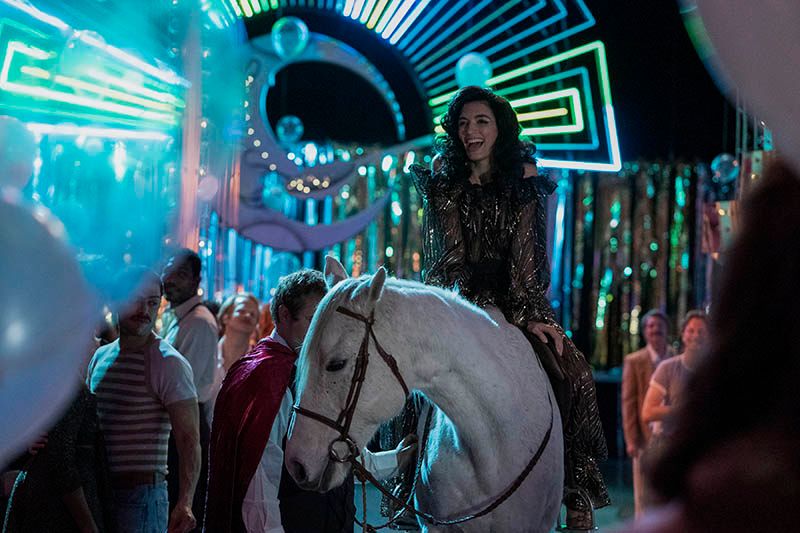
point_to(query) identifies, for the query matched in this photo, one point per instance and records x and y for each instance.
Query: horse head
(335, 415)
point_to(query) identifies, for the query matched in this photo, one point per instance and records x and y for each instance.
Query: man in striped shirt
(144, 388)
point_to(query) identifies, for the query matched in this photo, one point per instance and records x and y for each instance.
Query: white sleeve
(261, 511)
(382, 465)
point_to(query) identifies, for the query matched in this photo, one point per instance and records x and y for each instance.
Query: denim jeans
(142, 509)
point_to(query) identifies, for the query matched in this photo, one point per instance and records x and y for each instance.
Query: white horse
(493, 400)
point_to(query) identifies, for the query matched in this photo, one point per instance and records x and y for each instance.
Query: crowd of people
(131, 453)
(184, 429)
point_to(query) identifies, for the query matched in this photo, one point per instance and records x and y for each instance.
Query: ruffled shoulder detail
(431, 184)
(528, 189)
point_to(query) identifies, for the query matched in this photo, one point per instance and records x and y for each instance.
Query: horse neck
(450, 358)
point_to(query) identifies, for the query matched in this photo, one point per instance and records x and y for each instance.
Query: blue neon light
(412, 37)
(475, 44)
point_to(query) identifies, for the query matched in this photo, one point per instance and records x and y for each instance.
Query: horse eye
(335, 366)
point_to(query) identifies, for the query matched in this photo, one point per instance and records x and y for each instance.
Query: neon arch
(571, 118)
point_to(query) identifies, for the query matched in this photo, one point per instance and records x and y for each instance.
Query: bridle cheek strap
(345, 418)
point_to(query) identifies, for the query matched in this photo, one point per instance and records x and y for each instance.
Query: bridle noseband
(345, 418)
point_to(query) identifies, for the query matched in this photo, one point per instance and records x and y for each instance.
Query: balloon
(724, 169)
(289, 129)
(45, 328)
(289, 37)
(207, 188)
(755, 51)
(473, 69)
(17, 153)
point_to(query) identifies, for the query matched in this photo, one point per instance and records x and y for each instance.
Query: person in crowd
(731, 462)
(213, 306)
(238, 319)
(484, 234)
(265, 323)
(249, 488)
(191, 329)
(65, 484)
(144, 390)
(667, 387)
(637, 369)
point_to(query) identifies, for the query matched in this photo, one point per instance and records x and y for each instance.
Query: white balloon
(45, 328)
(756, 50)
(473, 69)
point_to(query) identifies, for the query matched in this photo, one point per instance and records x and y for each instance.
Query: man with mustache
(637, 370)
(144, 389)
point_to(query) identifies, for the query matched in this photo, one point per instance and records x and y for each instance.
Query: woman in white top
(238, 320)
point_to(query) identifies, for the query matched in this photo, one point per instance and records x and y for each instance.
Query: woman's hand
(406, 451)
(542, 330)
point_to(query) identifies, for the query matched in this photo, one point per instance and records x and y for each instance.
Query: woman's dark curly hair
(509, 153)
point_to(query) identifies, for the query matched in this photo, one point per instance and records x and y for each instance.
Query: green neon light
(236, 8)
(613, 142)
(74, 83)
(485, 37)
(366, 11)
(17, 47)
(376, 14)
(387, 15)
(246, 9)
(586, 92)
(136, 88)
(255, 6)
(596, 47)
(539, 115)
(105, 133)
(470, 30)
(575, 101)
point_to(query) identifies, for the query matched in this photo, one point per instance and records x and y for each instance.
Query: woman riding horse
(484, 234)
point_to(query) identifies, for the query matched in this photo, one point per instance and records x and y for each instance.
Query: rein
(351, 452)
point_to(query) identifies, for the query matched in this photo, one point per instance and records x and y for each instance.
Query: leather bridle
(345, 418)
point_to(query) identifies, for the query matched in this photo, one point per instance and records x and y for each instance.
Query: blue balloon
(289, 37)
(473, 69)
(289, 129)
(724, 169)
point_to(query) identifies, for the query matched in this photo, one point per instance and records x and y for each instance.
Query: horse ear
(334, 271)
(376, 285)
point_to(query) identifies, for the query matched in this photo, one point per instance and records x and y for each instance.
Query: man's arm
(200, 349)
(185, 419)
(261, 510)
(653, 409)
(630, 409)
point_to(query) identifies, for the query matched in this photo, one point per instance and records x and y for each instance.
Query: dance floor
(617, 473)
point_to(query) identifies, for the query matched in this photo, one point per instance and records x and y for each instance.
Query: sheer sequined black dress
(489, 242)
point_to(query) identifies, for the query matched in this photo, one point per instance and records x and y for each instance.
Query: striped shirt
(133, 390)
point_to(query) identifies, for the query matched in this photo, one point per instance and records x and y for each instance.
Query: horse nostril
(298, 472)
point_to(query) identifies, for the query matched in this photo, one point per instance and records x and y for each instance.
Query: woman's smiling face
(477, 130)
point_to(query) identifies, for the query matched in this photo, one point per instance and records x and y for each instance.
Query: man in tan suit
(637, 369)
